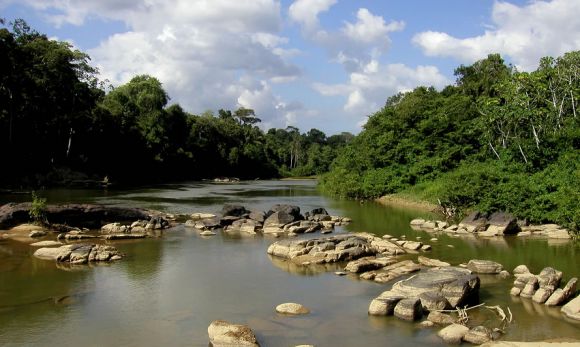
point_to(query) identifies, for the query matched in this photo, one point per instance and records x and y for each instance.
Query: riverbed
(167, 291)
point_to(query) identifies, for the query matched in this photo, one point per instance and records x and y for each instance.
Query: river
(167, 291)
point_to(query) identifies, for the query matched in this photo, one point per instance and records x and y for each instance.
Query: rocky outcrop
(79, 253)
(542, 288)
(324, 250)
(225, 334)
(80, 215)
(562, 295)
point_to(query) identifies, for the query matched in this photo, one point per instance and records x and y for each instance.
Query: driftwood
(78, 215)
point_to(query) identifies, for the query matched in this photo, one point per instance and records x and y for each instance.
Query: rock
(386, 246)
(292, 210)
(440, 318)
(278, 219)
(428, 225)
(426, 324)
(71, 236)
(559, 234)
(515, 291)
(502, 223)
(396, 270)
(457, 285)
(475, 221)
(503, 274)
(114, 228)
(46, 244)
(292, 309)
(384, 304)
(542, 294)
(433, 301)
(207, 233)
(202, 215)
(225, 334)
(530, 288)
(572, 309)
(418, 222)
(521, 269)
(37, 233)
(484, 266)
(549, 277)
(561, 295)
(426, 248)
(124, 236)
(233, 210)
(478, 335)
(258, 216)
(340, 273)
(47, 253)
(453, 334)
(367, 264)
(409, 309)
(412, 245)
(431, 262)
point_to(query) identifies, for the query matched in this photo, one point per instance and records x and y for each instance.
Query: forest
(497, 140)
(61, 125)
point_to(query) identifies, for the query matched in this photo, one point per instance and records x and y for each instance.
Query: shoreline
(397, 200)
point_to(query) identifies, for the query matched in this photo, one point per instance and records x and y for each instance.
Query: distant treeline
(58, 124)
(498, 139)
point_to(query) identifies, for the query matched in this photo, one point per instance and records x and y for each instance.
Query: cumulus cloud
(524, 33)
(208, 54)
(306, 12)
(368, 89)
(370, 28)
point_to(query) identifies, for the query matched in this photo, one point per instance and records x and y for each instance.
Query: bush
(38, 209)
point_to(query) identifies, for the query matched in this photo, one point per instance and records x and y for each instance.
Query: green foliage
(500, 140)
(38, 209)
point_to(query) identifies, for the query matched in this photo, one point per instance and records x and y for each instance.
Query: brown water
(168, 290)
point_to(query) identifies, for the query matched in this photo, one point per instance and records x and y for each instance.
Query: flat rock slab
(46, 244)
(225, 334)
(572, 309)
(455, 284)
(484, 266)
(79, 253)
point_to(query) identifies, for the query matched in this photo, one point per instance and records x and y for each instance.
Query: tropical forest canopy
(58, 124)
(498, 139)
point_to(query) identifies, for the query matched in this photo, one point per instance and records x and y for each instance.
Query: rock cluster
(428, 291)
(543, 288)
(279, 219)
(79, 253)
(495, 224)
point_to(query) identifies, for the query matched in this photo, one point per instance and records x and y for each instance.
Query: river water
(168, 290)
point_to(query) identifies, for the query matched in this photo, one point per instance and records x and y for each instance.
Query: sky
(324, 64)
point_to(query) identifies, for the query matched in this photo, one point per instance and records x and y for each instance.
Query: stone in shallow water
(292, 308)
(384, 304)
(484, 266)
(440, 318)
(409, 309)
(46, 244)
(478, 335)
(561, 295)
(453, 333)
(225, 334)
(572, 309)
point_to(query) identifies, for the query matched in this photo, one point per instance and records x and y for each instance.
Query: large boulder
(384, 304)
(453, 334)
(475, 221)
(409, 309)
(502, 223)
(292, 210)
(455, 284)
(79, 253)
(561, 295)
(572, 309)
(279, 219)
(225, 334)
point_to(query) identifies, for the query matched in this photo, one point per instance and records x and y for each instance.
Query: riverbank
(407, 201)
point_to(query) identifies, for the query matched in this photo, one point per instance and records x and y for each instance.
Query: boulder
(368, 264)
(433, 301)
(202, 215)
(112, 228)
(37, 233)
(475, 221)
(279, 219)
(47, 253)
(233, 210)
(457, 285)
(431, 262)
(572, 309)
(542, 294)
(440, 318)
(292, 210)
(484, 266)
(412, 245)
(530, 288)
(549, 277)
(384, 304)
(258, 216)
(478, 335)
(502, 223)
(409, 309)
(453, 334)
(46, 244)
(225, 334)
(79, 253)
(561, 295)
(292, 308)
(521, 269)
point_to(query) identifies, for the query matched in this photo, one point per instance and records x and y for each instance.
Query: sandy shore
(402, 201)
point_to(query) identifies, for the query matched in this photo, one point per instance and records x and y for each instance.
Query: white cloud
(370, 28)
(306, 12)
(368, 89)
(525, 34)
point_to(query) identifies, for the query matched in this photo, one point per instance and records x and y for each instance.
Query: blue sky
(323, 64)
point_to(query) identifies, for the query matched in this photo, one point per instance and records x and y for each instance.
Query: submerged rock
(292, 308)
(225, 334)
(484, 266)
